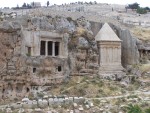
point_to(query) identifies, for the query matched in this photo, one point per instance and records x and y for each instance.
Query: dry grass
(88, 87)
(141, 33)
(144, 68)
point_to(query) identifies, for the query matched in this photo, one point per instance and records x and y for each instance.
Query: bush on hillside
(141, 10)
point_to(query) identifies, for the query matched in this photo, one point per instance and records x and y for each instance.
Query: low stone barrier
(43, 103)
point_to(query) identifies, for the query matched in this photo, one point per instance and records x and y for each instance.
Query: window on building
(28, 89)
(42, 49)
(4, 54)
(56, 48)
(59, 69)
(34, 70)
(50, 47)
(29, 51)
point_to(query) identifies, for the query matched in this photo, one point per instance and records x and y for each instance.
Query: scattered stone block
(81, 108)
(75, 105)
(38, 109)
(21, 110)
(42, 103)
(91, 104)
(87, 106)
(8, 110)
(70, 99)
(71, 111)
(51, 101)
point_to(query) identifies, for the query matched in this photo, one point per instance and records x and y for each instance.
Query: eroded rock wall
(130, 53)
(20, 73)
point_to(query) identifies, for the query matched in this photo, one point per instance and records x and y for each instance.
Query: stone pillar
(115, 54)
(53, 51)
(46, 48)
(64, 46)
(60, 50)
(111, 53)
(120, 54)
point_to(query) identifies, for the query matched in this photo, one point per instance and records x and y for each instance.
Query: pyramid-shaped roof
(106, 34)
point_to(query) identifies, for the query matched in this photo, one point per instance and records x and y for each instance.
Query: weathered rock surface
(22, 74)
(7, 26)
(130, 54)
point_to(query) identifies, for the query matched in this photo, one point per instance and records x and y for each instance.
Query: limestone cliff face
(130, 53)
(12, 69)
(20, 73)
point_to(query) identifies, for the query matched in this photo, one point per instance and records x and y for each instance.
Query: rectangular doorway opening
(34, 70)
(42, 49)
(56, 48)
(29, 51)
(50, 48)
(59, 69)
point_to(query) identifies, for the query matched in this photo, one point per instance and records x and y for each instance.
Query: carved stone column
(53, 51)
(46, 48)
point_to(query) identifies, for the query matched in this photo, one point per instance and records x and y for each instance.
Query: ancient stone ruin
(109, 48)
(39, 52)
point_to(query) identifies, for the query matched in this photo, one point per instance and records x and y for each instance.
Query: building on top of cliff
(36, 4)
(109, 47)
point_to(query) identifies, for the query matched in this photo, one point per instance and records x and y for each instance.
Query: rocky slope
(15, 69)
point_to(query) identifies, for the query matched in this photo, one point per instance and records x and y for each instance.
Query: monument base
(111, 72)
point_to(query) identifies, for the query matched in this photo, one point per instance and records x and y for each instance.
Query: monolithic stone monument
(109, 47)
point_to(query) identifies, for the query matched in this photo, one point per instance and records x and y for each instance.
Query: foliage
(141, 10)
(24, 5)
(134, 109)
(40, 95)
(133, 6)
(147, 110)
(69, 19)
(33, 4)
(96, 101)
(79, 66)
(147, 8)
(47, 3)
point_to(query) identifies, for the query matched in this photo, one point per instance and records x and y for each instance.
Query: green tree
(17, 6)
(29, 6)
(141, 10)
(147, 110)
(134, 109)
(47, 3)
(133, 6)
(33, 4)
(147, 8)
(24, 5)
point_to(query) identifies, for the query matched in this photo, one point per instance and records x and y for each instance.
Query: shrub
(69, 19)
(40, 95)
(134, 109)
(147, 110)
(141, 10)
